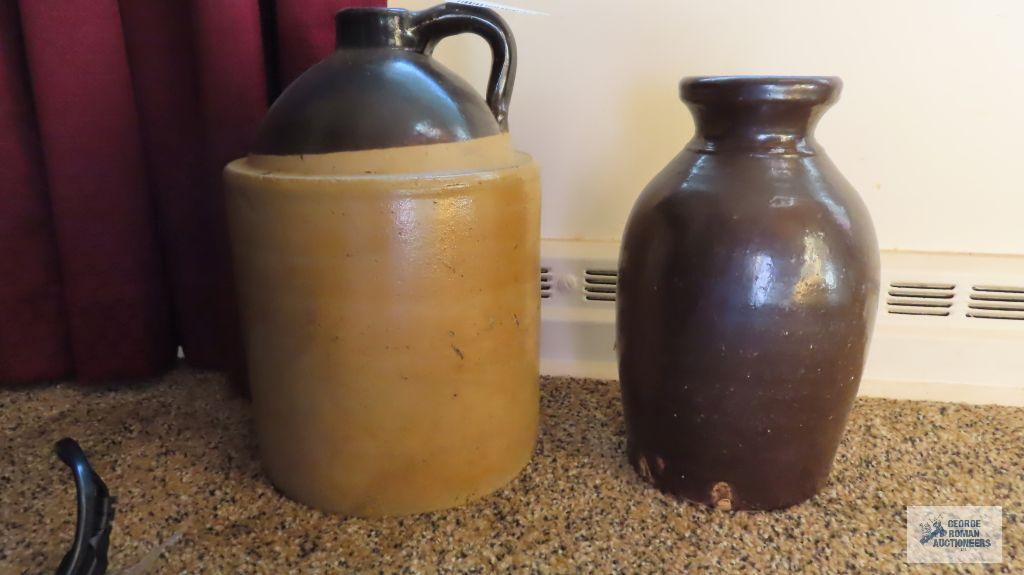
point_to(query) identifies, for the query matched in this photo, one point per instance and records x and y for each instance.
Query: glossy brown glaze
(382, 89)
(747, 292)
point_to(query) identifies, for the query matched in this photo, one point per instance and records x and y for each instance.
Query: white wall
(930, 127)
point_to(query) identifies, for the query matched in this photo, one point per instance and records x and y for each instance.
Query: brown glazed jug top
(382, 88)
(768, 114)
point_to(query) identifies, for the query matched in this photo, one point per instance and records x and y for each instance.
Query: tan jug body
(390, 326)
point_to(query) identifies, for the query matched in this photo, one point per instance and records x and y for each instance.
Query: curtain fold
(158, 37)
(33, 335)
(233, 100)
(117, 310)
(116, 119)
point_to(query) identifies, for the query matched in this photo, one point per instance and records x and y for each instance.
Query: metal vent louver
(600, 284)
(920, 298)
(996, 302)
(545, 283)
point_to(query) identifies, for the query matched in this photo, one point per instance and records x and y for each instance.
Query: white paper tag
(946, 534)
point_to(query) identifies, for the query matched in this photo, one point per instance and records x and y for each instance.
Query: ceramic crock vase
(385, 237)
(747, 290)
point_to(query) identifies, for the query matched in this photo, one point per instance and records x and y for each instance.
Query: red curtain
(116, 118)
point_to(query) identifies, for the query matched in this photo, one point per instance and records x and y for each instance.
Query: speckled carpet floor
(178, 453)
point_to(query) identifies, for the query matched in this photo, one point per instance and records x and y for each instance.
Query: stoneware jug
(385, 236)
(747, 293)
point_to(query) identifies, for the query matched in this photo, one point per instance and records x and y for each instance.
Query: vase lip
(796, 89)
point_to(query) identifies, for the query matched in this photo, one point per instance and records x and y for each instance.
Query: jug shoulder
(373, 99)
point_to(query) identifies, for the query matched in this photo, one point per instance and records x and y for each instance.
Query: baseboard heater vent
(996, 302)
(600, 284)
(545, 283)
(920, 298)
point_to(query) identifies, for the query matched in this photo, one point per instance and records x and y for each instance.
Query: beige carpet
(179, 456)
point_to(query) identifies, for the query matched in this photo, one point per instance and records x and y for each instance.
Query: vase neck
(763, 115)
(750, 128)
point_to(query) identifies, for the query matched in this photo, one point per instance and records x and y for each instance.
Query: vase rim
(797, 89)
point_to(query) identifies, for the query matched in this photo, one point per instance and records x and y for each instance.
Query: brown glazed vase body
(385, 238)
(748, 284)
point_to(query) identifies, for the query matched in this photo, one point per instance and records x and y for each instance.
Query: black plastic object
(88, 556)
(382, 89)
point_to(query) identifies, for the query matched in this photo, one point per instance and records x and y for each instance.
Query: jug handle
(435, 24)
